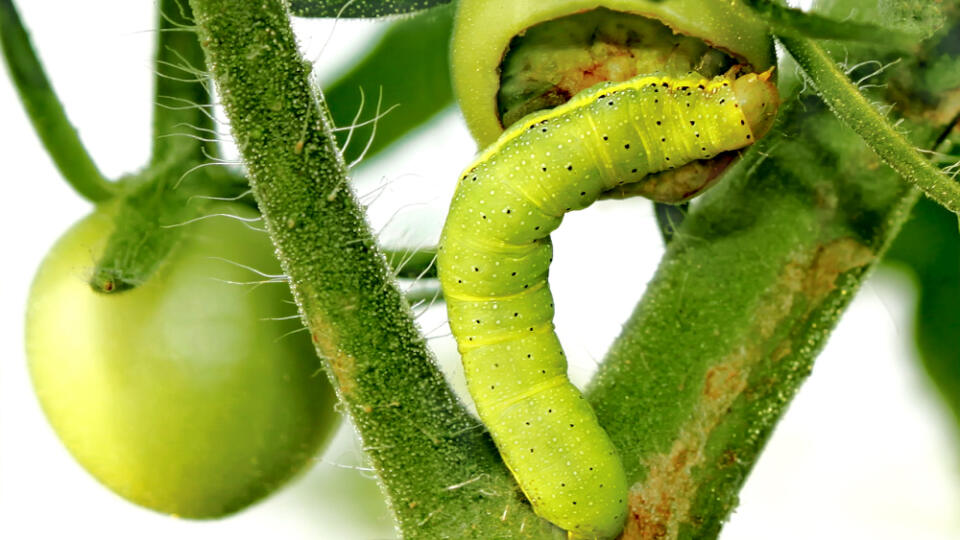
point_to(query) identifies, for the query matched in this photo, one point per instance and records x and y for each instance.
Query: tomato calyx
(149, 217)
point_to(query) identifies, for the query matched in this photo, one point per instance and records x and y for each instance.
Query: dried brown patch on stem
(831, 260)
(327, 342)
(662, 503)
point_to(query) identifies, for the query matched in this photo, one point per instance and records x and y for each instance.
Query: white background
(865, 451)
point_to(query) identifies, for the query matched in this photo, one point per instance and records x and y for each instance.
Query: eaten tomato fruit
(189, 394)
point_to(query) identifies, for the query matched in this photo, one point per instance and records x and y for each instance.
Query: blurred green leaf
(929, 246)
(412, 263)
(784, 20)
(920, 16)
(410, 66)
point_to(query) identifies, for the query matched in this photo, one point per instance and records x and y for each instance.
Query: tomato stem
(749, 290)
(148, 224)
(853, 109)
(437, 466)
(46, 112)
(364, 9)
(183, 125)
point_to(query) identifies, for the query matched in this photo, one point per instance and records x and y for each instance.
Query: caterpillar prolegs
(495, 254)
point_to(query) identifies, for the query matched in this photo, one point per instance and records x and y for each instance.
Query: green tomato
(180, 395)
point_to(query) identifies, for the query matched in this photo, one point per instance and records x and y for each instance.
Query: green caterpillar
(495, 254)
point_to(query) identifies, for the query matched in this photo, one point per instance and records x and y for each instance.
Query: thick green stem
(182, 109)
(853, 109)
(747, 294)
(440, 471)
(45, 111)
(360, 8)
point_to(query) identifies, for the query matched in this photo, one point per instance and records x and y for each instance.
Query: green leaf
(921, 17)
(361, 8)
(409, 69)
(929, 248)
(797, 23)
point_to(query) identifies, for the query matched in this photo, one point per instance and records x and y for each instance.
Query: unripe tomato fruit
(179, 394)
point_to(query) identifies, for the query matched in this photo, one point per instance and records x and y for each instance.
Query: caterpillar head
(759, 102)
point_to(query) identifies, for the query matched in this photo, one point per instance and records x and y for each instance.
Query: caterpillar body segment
(495, 254)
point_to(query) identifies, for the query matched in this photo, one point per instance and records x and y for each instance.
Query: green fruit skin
(178, 395)
(483, 30)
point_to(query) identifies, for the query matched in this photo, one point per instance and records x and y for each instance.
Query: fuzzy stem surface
(856, 111)
(439, 470)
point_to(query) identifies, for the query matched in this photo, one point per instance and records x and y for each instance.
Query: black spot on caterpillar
(495, 252)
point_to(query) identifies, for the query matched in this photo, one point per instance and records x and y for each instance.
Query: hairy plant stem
(854, 110)
(182, 109)
(440, 471)
(751, 286)
(749, 290)
(361, 8)
(45, 111)
(159, 199)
